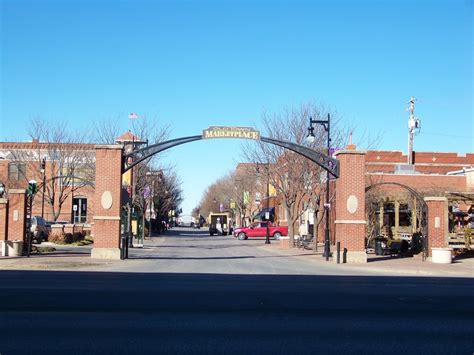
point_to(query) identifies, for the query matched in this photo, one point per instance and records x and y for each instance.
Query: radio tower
(413, 124)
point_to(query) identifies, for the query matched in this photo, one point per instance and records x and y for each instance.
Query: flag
(132, 115)
(147, 192)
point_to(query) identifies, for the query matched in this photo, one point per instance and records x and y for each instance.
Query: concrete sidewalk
(386, 265)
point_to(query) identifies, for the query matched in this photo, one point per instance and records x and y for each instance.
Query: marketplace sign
(230, 132)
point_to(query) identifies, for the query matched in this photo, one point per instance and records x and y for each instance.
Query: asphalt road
(177, 305)
(188, 250)
(122, 313)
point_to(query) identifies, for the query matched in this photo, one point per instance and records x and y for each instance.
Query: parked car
(259, 230)
(39, 228)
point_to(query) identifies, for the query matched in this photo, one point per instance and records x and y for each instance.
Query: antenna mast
(413, 124)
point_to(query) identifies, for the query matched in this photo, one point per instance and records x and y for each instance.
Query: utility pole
(413, 124)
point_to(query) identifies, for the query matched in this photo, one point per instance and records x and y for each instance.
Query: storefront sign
(230, 132)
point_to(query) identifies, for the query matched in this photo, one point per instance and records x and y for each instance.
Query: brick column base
(437, 222)
(350, 224)
(107, 247)
(107, 202)
(16, 215)
(352, 233)
(3, 219)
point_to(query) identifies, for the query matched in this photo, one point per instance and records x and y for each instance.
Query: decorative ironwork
(327, 163)
(133, 158)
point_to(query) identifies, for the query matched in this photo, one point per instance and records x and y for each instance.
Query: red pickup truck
(259, 230)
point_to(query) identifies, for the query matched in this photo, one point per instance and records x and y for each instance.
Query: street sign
(267, 216)
(230, 132)
(74, 208)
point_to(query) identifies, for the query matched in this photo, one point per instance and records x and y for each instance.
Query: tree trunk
(315, 231)
(291, 227)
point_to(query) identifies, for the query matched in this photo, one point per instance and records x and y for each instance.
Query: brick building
(438, 174)
(68, 173)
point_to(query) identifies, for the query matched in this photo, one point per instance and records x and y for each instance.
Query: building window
(16, 171)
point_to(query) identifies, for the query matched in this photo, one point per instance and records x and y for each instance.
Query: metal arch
(141, 154)
(414, 192)
(326, 162)
(424, 211)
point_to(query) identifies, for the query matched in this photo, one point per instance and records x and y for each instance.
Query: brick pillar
(107, 202)
(16, 215)
(3, 219)
(350, 221)
(437, 222)
(3, 225)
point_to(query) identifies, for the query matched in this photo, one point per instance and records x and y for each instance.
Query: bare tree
(297, 180)
(107, 130)
(69, 162)
(168, 194)
(146, 131)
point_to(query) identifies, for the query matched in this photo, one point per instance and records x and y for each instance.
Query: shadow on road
(215, 313)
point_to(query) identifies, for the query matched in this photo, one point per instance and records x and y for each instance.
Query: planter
(14, 248)
(441, 255)
(4, 248)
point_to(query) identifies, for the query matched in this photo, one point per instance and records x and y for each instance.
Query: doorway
(79, 210)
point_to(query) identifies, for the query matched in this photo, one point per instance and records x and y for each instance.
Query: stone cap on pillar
(3, 201)
(350, 151)
(17, 191)
(108, 146)
(436, 198)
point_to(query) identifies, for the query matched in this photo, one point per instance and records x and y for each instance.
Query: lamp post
(31, 192)
(310, 138)
(267, 236)
(43, 172)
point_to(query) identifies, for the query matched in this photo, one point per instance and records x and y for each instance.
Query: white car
(38, 228)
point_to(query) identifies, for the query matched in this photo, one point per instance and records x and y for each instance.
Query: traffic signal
(32, 187)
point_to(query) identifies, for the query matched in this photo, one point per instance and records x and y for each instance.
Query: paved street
(191, 293)
(186, 250)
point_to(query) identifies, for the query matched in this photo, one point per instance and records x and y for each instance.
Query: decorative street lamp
(310, 138)
(31, 192)
(43, 172)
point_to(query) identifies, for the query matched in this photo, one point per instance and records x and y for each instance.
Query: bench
(456, 241)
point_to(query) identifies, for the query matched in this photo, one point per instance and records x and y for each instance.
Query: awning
(261, 214)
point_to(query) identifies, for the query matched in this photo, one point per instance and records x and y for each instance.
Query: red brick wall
(437, 219)
(350, 227)
(16, 208)
(3, 218)
(425, 162)
(427, 184)
(108, 178)
(32, 173)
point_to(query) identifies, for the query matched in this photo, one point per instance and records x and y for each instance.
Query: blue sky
(194, 64)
